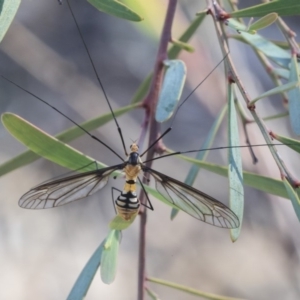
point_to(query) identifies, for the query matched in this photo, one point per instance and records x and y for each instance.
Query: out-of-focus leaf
(84, 280)
(283, 73)
(183, 45)
(109, 257)
(8, 10)
(151, 294)
(118, 223)
(117, 9)
(272, 51)
(294, 96)
(201, 155)
(292, 143)
(277, 90)
(281, 7)
(47, 146)
(66, 136)
(171, 91)
(293, 197)
(263, 22)
(235, 168)
(189, 290)
(262, 183)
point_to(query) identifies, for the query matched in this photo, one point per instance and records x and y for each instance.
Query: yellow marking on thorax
(132, 172)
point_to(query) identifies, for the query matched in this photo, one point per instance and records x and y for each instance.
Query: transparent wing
(62, 191)
(196, 203)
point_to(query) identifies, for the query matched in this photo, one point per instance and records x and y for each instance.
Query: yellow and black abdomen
(127, 205)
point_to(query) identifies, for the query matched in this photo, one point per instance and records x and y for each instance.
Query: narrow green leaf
(47, 146)
(66, 136)
(283, 73)
(183, 45)
(292, 143)
(263, 22)
(293, 197)
(171, 91)
(272, 51)
(294, 96)
(118, 223)
(117, 9)
(202, 154)
(235, 168)
(8, 10)
(189, 290)
(84, 280)
(259, 182)
(281, 7)
(109, 257)
(239, 27)
(151, 294)
(277, 90)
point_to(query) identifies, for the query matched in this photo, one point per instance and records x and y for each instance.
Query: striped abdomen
(127, 205)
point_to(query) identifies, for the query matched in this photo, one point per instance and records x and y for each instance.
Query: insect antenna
(98, 77)
(189, 95)
(75, 123)
(215, 148)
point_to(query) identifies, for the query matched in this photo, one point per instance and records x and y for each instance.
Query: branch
(150, 105)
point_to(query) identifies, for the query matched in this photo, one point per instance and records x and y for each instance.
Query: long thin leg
(148, 200)
(113, 198)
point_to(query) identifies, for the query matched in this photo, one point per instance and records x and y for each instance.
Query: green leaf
(291, 143)
(294, 96)
(66, 136)
(109, 257)
(272, 51)
(189, 290)
(118, 223)
(281, 7)
(117, 9)
(263, 22)
(293, 197)
(84, 280)
(283, 73)
(202, 154)
(151, 294)
(235, 169)
(171, 91)
(183, 45)
(259, 182)
(277, 90)
(47, 146)
(8, 10)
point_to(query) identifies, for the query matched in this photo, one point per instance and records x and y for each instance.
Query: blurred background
(42, 252)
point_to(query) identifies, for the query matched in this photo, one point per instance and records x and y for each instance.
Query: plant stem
(150, 104)
(215, 10)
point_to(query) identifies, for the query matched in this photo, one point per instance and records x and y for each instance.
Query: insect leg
(113, 198)
(146, 194)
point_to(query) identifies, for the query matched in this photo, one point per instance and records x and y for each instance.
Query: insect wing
(194, 202)
(62, 191)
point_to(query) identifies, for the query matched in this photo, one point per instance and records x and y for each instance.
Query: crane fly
(180, 195)
(184, 197)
